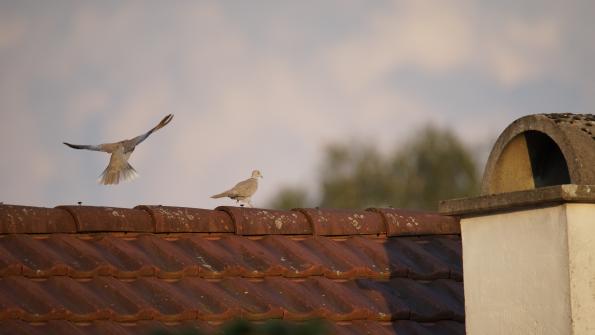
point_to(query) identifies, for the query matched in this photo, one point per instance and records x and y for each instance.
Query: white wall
(581, 242)
(516, 271)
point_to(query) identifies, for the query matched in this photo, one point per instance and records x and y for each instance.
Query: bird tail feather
(112, 176)
(220, 195)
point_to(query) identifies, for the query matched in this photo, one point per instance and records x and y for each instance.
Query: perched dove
(118, 167)
(243, 190)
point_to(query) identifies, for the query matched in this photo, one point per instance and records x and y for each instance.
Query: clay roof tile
(84, 269)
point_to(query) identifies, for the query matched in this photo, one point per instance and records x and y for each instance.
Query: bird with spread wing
(242, 191)
(118, 168)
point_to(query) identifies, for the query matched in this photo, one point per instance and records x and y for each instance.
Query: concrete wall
(530, 271)
(581, 243)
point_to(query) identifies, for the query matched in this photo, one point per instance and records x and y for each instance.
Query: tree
(432, 166)
(355, 175)
(291, 197)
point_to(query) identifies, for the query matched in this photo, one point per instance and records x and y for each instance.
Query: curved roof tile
(83, 269)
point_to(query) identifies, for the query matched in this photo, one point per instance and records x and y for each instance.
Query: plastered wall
(516, 273)
(581, 243)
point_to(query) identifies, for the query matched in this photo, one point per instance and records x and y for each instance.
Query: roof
(98, 270)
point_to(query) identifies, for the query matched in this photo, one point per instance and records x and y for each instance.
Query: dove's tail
(220, 195)
(112, 176)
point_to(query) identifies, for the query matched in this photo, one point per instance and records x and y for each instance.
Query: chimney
(529, 238)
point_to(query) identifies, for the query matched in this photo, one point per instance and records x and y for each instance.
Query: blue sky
(265, 84)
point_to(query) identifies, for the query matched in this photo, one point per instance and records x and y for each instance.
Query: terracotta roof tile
(407, 222)
(331, 222)
(25, 219)
(97, 219)
(164, 257)
(256, 221)
(188, 220)
(146, 327)
(164, 267)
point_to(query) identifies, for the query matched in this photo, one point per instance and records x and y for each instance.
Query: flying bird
(118, 167)
(242, 191)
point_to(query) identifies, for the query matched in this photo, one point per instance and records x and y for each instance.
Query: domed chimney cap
(538, 160)
(542, 150)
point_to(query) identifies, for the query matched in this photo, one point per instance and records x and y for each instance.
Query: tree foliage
(291, 197)
(432, 166)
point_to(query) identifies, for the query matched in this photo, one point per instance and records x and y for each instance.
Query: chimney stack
(529, 238)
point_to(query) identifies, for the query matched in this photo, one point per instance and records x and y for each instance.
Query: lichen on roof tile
(166, 266)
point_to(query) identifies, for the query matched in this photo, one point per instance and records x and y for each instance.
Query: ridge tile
(109, 219)
(26, 219)
(257, 221)
(341, 222)
(401, 222)
(188, 220)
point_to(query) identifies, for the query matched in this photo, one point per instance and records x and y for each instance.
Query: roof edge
(18, 219)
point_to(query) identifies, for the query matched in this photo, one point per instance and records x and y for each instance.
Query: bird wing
(128, 145)
(244, 188)
(133, 142)
(86, 147)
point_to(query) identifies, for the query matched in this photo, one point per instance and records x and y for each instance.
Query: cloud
(248, 90)
(11, 31)
(433, 36)
(440, 36)
(25, 166)
(521, 50)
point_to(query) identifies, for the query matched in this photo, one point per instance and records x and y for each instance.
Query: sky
(265, 85)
